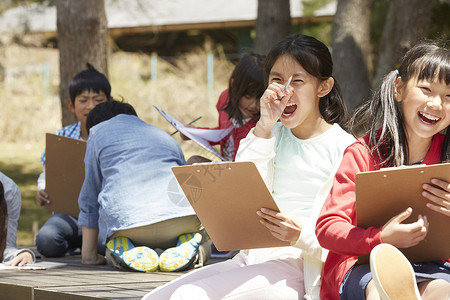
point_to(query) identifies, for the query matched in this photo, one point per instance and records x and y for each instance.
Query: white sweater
(299, 173)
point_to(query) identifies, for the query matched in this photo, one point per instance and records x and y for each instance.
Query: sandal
(125, 255)
(183, 256)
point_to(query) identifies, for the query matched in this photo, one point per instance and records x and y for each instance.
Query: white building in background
(143, 20)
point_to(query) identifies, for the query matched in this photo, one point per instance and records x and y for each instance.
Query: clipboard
(226, 197)
(64, 173)
(382, 194)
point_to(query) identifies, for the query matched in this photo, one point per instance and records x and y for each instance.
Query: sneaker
(183, 256)
(143, 259)
(125, 255)
(393, 274)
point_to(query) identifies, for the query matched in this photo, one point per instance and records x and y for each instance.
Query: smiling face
(425, 108)
(302, 113)
(249, 107)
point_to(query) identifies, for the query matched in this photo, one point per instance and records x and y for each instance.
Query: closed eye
(275, 79)
(425, 89)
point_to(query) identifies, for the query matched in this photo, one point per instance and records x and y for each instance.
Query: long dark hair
(247, 79)
(386, 127)
(315, 58)
(3, 221)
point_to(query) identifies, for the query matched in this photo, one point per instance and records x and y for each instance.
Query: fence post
(154, 66)
(210, 60)
(46, 81)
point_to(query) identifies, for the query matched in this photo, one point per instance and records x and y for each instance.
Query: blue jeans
(61, 234)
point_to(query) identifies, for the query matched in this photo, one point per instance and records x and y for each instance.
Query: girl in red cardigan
(412, 107)
(238, 106)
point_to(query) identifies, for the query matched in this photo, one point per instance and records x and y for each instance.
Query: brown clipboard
(64, 173)
(382, 194)
(226, 197)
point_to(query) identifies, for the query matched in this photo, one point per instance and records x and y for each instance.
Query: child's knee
(49, 243)
(435, 289)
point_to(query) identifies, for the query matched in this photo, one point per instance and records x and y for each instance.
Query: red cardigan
(336, 226)
(238, 133)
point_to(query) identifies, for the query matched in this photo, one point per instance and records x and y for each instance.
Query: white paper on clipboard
(198, 135)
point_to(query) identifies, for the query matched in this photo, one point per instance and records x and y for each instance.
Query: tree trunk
(351, 49)
(82, 38)
(272, 24)
(407, 22)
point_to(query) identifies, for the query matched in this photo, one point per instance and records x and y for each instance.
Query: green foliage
(440, 24)
(321, 31)
(377, 19)
(310, 6)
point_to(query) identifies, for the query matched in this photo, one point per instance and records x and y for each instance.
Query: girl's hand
(282, 226)
(404, 235)
(21, 260)
(439, 195)
(271, 108)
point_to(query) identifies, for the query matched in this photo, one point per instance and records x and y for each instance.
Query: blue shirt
(128, 178)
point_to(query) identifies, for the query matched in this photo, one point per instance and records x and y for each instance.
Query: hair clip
(398, 73)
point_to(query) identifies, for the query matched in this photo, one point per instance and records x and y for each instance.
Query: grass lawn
(21, 163)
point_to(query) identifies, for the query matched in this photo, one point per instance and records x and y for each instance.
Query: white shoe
(393, 274)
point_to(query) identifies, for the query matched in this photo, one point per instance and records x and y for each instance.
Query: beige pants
(163, 235)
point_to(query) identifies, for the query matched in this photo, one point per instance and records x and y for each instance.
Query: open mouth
(428, 119)
(289, 109)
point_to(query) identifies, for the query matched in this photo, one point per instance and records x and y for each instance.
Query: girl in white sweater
(297, 158)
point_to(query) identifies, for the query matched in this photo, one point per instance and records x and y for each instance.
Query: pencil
(195, 120)
(286, 86)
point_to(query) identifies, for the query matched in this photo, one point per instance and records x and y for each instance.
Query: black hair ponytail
(333, 109)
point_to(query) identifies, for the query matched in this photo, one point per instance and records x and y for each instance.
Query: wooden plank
(15, 292)
(55, 295)
(75, 281)
(120, 292)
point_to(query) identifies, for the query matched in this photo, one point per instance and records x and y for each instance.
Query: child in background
(297, 159)
(126, 197)
(61, 234)
(405, 117)
(238, 106)
(10, 203)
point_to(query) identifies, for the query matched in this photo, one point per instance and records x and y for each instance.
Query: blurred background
(177, 55)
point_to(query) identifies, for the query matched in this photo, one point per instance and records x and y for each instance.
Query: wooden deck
(74, 281)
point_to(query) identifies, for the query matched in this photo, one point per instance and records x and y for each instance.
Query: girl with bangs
(297, 146)
(406, 118)
(238, 106)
